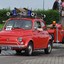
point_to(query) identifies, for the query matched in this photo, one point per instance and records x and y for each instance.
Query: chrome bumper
(9, 47)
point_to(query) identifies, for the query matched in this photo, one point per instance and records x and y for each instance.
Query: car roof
(25, 19)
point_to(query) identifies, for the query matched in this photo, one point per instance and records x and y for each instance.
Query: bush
(51, 15)
(3, 16)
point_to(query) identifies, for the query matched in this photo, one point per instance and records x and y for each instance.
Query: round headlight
(20, 39)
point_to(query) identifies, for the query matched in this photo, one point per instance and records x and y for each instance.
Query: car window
(42, 23)
(37, 24)
(25, 24)
(9, 23)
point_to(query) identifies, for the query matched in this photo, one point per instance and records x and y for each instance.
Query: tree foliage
(51, 15)
(3, 15)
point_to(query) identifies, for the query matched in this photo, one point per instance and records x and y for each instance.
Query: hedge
(51, 15)
(3, 15)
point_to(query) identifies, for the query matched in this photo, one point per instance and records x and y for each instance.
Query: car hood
(13, 33)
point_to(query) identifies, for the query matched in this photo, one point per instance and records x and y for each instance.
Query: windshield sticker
(9, 28)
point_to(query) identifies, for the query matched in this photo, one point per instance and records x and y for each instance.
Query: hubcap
(49, 48)
(30, 50)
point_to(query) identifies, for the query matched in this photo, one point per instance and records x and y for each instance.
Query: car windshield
(24, 24)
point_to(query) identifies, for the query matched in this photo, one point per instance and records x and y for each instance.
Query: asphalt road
(10, 57)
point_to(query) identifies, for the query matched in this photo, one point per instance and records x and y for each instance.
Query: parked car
(25, 34)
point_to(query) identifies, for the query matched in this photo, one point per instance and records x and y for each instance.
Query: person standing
(56, 5)
(62, 12)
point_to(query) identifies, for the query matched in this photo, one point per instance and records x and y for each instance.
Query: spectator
(56, 5)
(62, 8)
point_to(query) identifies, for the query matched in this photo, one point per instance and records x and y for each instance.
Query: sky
(34, 4)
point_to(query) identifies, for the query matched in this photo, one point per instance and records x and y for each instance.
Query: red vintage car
(25, 34)
(57, 32)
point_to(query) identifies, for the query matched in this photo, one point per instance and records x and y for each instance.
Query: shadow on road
(39, 53)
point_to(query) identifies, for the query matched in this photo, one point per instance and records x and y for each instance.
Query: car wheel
(29, 50)
(18, 52)
(48, 49)
(52, 36)
(63, 40)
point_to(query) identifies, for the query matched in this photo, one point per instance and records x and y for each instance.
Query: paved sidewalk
(45, 60)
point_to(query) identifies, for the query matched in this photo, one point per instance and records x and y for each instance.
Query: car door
(42, 35)
(37, 34)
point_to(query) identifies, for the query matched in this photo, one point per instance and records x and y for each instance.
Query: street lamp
(43, 4)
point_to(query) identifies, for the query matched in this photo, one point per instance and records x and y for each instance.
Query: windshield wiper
(17, 28)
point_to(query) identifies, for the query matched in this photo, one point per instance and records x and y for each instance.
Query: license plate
(6, 48)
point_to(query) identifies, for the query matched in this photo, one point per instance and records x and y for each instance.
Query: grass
(1, 26)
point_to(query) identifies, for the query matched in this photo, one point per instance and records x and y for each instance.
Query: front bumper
(12, 47)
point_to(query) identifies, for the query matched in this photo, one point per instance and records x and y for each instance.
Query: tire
(63, 40)
(29, 49)
(18, 52)
(52, 36)
(48, 49)
(0, 51)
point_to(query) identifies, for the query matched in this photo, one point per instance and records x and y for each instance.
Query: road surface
(10, 57)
